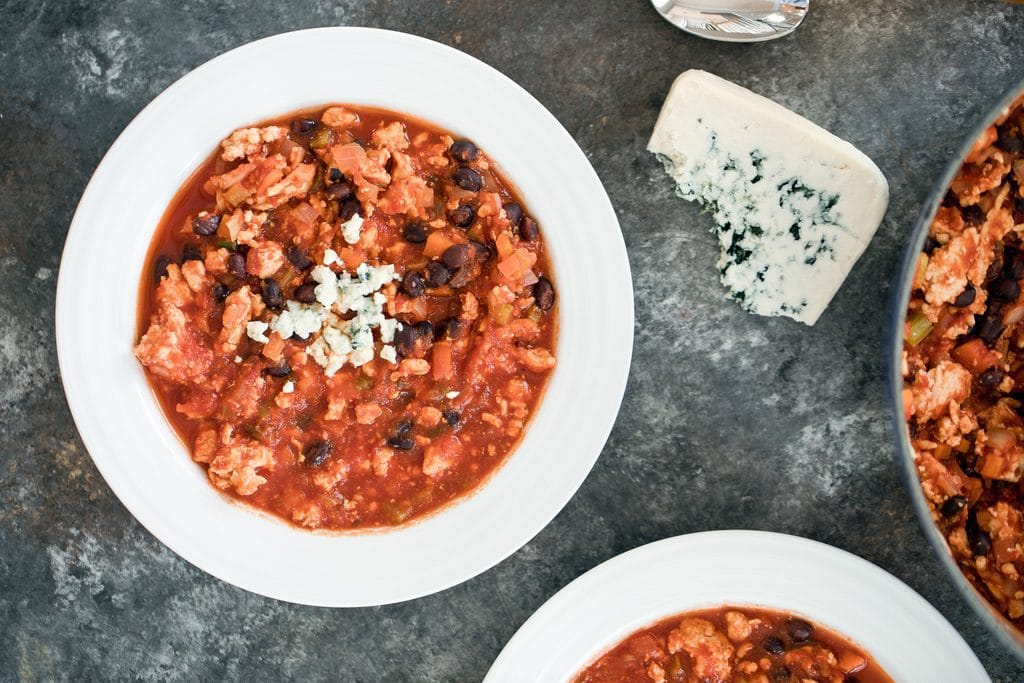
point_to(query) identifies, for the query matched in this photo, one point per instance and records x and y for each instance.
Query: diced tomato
(442, 360)
(975, 356)
(437, 244)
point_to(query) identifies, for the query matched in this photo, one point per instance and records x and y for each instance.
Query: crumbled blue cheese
(298, 319)
(451, 395)
(351, 228)
(288, 387)
(256, 330)
(331, 257)
(794, 205)
(336, 341)
(326, 291)
(388, 327)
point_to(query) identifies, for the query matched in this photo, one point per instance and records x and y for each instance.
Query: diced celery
(501, 314)
(922, 268)
(321, 139)
(918, 327)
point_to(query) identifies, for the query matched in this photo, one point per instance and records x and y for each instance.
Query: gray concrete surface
(729, 420)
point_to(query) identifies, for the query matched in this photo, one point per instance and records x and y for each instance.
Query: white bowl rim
(368, 586)
(775, 571)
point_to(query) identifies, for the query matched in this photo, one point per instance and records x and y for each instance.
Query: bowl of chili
(952, 367)
(180, 382)
(736, 606)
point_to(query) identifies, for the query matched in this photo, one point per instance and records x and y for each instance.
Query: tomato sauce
(414, 386)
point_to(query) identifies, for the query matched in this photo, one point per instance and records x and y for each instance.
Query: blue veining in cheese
(794, 205)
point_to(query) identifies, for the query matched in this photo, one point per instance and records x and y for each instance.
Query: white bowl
(831, 587)
(121, 423)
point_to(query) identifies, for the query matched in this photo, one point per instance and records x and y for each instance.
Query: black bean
(405, 340)
(298, 257)
(402, 443)
(781, 674)
(160, 267)
(317, 453)
(437, 274)
(424, 330)
(303, 125)
(190, 252)
(994, 269)
(978, 539)
(481, 252)
(966, 462)
(334, 175)
(514, 212)
(463, 151)
(544, 294)
(451, 328)
(220, 292)
(1006, 289)
(452, 417)
(305, 293)
(462, 216)
(528, 229)
(340, 190)
(272, 296)
(930, 244)
(282, 370)
(991, 378)
(242, 249)
(403, 427)
(990, 327)
(953, 506)
(799, 630)
(457, 255)
(463, 276)
(1013, 263)
(236, 264)
(412, 284)
(973, 215)
(349, 208)
(468, 179)
(415, 232)
(1010, 141)
(205, 226)
(1009, 253)
(774, 645)
(966, 297)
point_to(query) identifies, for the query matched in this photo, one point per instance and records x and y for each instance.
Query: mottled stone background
(729, 420)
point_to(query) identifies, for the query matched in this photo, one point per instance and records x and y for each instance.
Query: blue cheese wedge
(795, 206)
